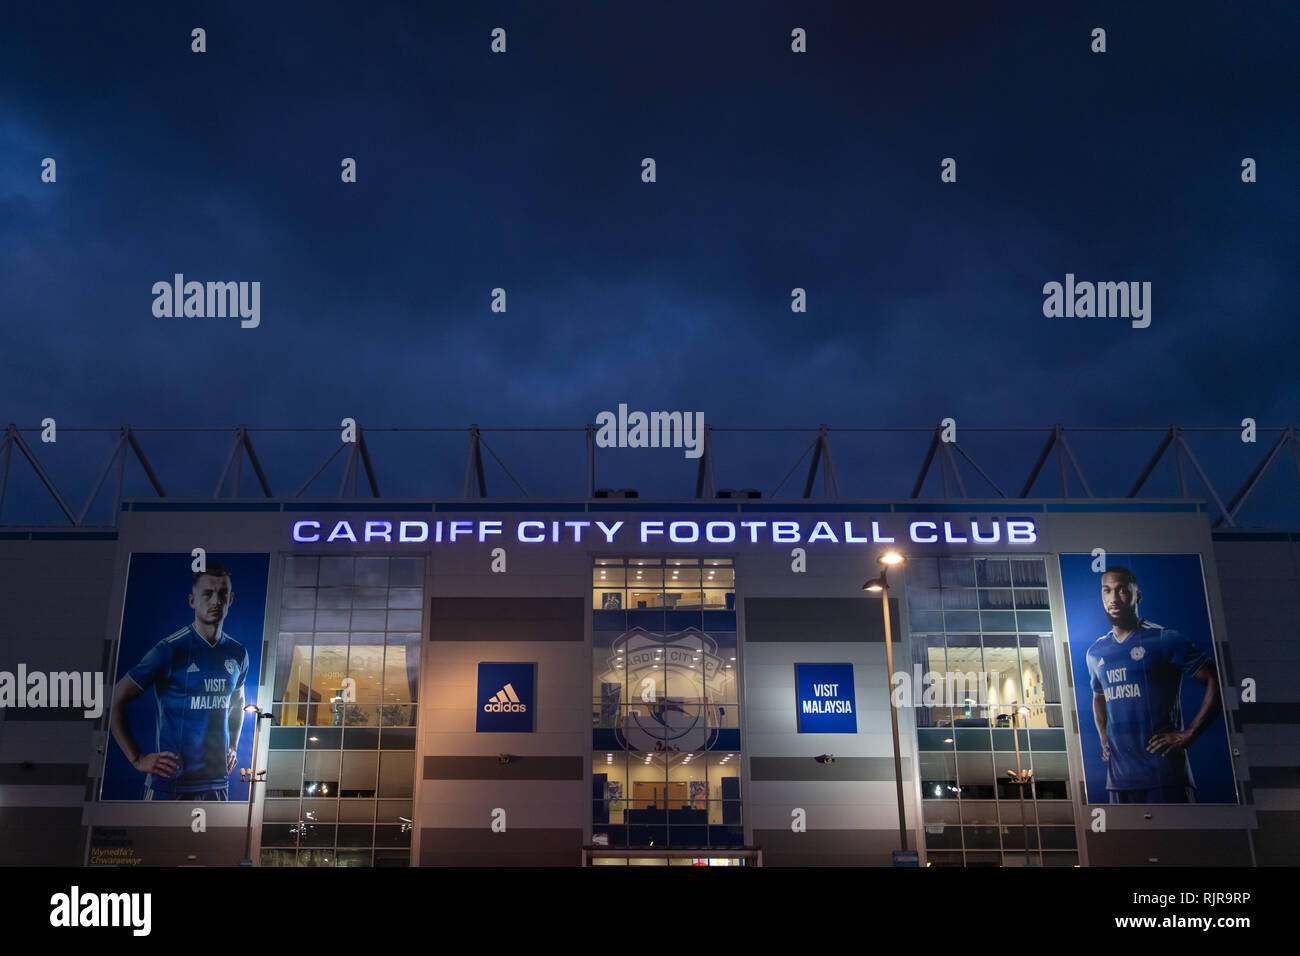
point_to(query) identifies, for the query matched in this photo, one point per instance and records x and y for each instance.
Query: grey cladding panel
(815, 620)
(808, 769)
(490, 768)
(507, 619)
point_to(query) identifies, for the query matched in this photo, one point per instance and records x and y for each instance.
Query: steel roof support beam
(925, 465)
(14, 438)
(1038, 465)
(705, 485)
(1237, 500)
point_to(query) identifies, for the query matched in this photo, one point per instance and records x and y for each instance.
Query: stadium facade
(609, 681)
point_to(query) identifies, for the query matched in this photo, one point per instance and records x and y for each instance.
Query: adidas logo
(192, 669)
(505, 701)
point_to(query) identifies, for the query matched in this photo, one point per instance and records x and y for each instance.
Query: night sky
(775, 170)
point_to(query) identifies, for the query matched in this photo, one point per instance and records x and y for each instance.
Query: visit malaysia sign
(824, 696)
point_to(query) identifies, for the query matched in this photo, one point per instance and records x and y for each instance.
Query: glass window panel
(1015, 837)
(316, 835)
(324, 738)
(960, 598)
(356, 811)
(370, 597)
(372, 572)
(279, 858)
(1055, 812)
(284, 774)
(320, 774)
(956, 573)
(361, 713)
(940, 811)
(406, 598)
(682, 578)
(944, 859)
(336, 571)
(1060, 859)
(290, 715)
(1058, 838)
(922, 573)
(320, 811)
(280, 834)
(280, 811)
(981, 838)
(396, 716)
(1011, 810)
(979, 812)
(678, 598)
(297, 620)
(607, 598)
(609, 786)
(300, 570)
(293, 668)
(315, 857)
(1029, 571)
(396, 773)
(366, 666)
(961, 620)
(405, 572)
(404, 620)
(645, 577)
(938, 775)
(1032, 599)
(361, 738)
(996, 599)
(298, 597)
(333, 620)
(394, 812)
(718, 599)
(719, 577)
(402, 668)
(360, 769)
(351, 834)
(992, 572)
(334, 597)
(369, 620)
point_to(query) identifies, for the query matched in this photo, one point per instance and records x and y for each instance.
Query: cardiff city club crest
(671, 681)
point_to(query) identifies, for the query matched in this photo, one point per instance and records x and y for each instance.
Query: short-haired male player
(1137, 671)
(197, 675)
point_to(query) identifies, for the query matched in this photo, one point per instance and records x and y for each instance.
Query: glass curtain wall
(980, 631)
(341, 767)
(665, 703)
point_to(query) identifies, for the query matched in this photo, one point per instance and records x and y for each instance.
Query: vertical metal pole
(893, 720)
(252, 787)
(1020, 779)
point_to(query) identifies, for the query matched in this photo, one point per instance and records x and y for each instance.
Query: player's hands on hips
(1169, 742)
(165, 764)
(1105, 750)
(232, 758)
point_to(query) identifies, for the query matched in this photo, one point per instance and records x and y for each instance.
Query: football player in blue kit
(197, 675)
(1137, 670)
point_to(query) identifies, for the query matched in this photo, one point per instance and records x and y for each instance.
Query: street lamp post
(881, 584)
(251, 775)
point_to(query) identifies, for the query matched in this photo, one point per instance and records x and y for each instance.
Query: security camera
(503, 758)
(826, 758)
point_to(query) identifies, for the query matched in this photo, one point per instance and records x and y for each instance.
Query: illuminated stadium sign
(684, 531)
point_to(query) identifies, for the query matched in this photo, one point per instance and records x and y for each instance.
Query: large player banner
(187, 664)
(1146, 681)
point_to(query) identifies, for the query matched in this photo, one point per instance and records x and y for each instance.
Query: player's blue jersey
(1141, 679)
(193, 681)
